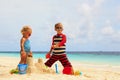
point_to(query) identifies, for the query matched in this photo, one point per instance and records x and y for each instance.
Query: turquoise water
(82, 57)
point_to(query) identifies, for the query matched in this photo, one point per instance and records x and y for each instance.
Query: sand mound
(38, 67)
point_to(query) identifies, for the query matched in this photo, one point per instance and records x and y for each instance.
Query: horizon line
(66, 51)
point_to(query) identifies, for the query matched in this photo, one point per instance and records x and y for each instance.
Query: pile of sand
(38, 67)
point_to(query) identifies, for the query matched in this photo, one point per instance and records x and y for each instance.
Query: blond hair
(58, 25)
(26, 29)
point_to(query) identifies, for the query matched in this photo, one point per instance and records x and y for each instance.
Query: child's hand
(48, 55)
(30, 54)
(23, 52)
(55, 46)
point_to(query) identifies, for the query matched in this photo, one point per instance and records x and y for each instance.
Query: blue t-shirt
(27, 46)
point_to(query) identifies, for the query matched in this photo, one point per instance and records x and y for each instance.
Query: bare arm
(22, 44)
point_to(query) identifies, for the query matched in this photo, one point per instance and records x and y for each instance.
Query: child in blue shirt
(25, 44)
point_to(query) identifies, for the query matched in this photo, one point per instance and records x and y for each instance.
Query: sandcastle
(31, 68)
(38, 67)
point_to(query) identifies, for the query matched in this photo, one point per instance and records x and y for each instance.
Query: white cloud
(98, 3)
(109, 33)
(86, 9)
(90, 10)
(107, 29)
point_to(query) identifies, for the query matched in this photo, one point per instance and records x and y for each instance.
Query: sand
(89, 71)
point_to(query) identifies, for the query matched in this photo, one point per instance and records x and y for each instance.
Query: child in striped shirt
(58, 48)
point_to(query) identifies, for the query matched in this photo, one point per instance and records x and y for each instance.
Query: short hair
(58, 25)
(26, 29)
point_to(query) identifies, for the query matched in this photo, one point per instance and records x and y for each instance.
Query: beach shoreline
(89, 71)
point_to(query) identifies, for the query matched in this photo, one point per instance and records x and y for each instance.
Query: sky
(90, 25)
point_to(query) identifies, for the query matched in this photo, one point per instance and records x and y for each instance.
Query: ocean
(101, 58)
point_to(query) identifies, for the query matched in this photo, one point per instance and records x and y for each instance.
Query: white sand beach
(89, 71)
